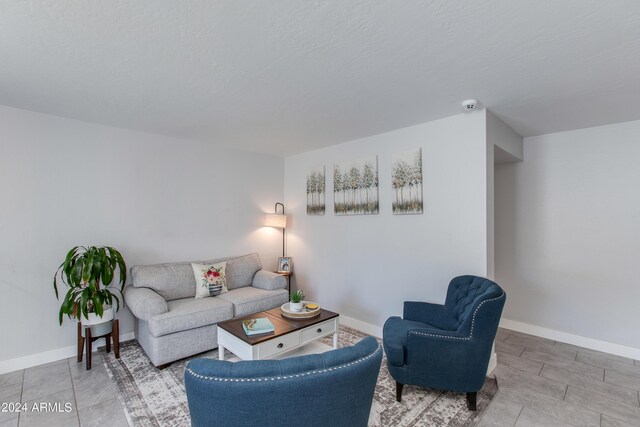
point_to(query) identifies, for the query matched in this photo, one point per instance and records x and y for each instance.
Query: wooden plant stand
(87, 340)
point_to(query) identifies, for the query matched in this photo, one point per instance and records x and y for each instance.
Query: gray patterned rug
(156, 398)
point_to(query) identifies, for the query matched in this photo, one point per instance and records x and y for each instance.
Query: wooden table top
(282, 324)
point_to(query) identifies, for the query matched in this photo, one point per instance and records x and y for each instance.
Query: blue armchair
(334, 388)
(448, 346)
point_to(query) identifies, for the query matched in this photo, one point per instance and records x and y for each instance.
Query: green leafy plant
(83, 271)
(297, 296)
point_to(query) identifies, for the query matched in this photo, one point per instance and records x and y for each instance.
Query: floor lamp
(277, 220)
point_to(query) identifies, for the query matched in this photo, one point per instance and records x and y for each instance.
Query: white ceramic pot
(94, 319)
(296, 306)
(99, 325)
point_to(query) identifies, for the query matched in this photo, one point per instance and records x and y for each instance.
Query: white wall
(568, 233)
(365, 266)
(503, 144)
(157, 199)
(504, 137)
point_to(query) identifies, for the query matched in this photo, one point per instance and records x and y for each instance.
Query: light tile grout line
(610, 384)
(490, 403)
(591, 409)
(115, 399)
(599, 366)
(617, 385)
(603, 380)
(21, 392)
(518, 417)
(73, 389)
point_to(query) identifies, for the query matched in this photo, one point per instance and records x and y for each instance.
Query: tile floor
(91, 393)
(548, 383)
(541, 383)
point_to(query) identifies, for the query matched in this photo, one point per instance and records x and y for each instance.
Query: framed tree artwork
(315, 191)
(406, 182)
(355, 187)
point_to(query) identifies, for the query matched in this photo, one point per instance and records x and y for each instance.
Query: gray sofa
(172, 324)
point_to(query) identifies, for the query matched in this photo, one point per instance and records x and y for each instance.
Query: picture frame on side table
(284, 264)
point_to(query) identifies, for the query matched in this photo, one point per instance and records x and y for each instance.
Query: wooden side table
(288, 275)
(87, 340)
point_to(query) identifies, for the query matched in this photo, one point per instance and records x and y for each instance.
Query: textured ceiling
(288, 76)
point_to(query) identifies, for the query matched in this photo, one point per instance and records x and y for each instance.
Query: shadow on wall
(509, 271)
(349, 303)
(505, 229)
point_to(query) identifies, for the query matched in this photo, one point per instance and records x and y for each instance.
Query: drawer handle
(280, 345)
(319, 330)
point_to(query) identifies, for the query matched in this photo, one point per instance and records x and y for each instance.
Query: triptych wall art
(315, 191)
(406, 181)
(355, 186)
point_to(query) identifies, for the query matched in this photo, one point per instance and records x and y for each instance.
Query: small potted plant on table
(296, 300)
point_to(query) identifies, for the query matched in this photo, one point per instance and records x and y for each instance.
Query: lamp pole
(275, 208)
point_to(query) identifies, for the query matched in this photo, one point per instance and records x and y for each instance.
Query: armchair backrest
(464, 296)
(333, 388)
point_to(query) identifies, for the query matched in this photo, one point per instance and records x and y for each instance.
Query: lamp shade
(275, 220)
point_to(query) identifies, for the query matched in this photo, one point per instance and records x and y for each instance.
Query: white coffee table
(291, 336)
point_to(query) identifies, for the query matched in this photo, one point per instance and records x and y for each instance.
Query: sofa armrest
(269, 281)
(144, 303)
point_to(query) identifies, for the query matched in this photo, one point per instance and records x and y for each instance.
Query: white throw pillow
(210, 279)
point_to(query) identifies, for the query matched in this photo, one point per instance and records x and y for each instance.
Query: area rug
(156, 398)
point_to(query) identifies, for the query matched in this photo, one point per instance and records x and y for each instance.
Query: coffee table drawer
(278, 345)
(319, 330)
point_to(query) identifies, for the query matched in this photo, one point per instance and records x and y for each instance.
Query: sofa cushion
(240, 270)
(171, 281)
(190, 313)
(176, 280)
(248, 300)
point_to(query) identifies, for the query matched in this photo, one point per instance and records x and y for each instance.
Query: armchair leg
(471, 401)
(399, 391)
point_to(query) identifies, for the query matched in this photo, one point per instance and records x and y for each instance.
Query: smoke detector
(469, 104)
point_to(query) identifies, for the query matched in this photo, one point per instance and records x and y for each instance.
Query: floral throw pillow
(210, 279)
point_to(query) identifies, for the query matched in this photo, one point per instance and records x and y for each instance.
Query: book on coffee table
(261, 325)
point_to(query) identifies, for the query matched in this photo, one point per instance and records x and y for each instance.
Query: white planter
(296, 306)
(99, 325)
(94, 319)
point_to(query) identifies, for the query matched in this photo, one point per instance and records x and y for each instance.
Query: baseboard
(365, 327)
(591, 343)
(51, 355)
